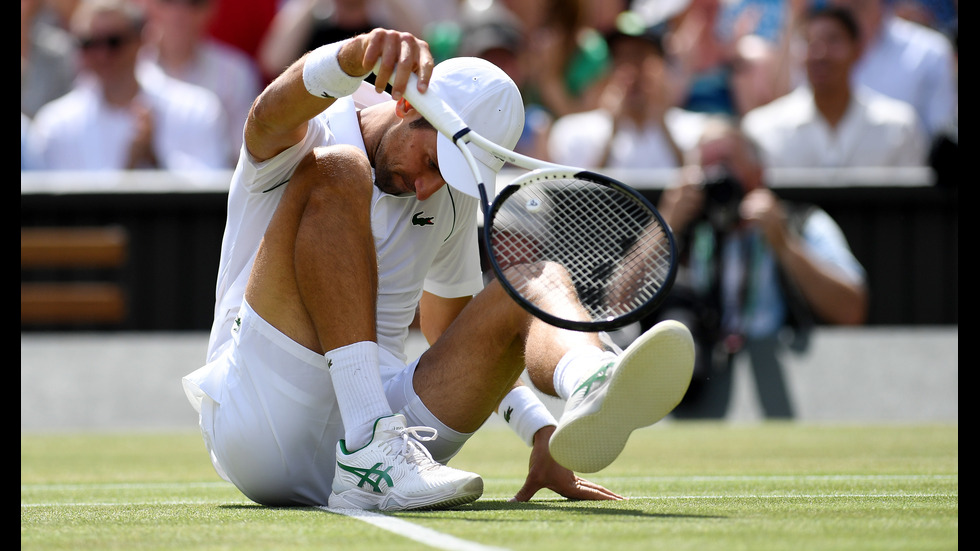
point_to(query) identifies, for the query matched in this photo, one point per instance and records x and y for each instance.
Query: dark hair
(630, 25)
(842, 15)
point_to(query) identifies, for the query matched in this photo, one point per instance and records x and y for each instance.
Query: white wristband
(323, 76)
(524, 413)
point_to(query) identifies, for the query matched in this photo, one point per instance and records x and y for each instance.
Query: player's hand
(400, 53)
(544, 472)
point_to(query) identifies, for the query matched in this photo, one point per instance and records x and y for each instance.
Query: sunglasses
(111, 42)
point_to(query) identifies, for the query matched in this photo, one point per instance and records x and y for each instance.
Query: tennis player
(340, 224)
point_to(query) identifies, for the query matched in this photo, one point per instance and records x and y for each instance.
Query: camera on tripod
(722, 195)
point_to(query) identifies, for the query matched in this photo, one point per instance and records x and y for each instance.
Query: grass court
(691, 486)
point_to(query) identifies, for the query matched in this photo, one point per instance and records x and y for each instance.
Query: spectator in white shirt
(114, 119)
(636, 125)
(179, 44)
(830, 122)
(906, 61)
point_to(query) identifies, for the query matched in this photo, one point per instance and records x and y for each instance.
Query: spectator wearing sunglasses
(114, 118)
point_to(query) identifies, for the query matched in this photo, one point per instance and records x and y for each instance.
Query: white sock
(577, 364)
(354, 370)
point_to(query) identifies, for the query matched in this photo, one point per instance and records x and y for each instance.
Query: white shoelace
(411, 438)
(607, 340)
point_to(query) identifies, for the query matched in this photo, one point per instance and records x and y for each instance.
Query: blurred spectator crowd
(720, 90)
(117, 84)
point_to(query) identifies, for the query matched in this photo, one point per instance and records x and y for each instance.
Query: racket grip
(442, 117)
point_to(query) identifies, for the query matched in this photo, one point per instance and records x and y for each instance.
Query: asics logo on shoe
(597, 377)
(365, 476)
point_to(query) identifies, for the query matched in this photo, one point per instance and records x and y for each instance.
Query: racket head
(558, 237)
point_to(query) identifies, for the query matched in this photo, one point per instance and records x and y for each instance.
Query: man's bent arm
(279, 116)
(437, 313)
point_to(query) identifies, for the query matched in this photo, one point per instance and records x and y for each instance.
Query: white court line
(448, 542)
(125, 486)
(412, 531)
(783, 478)
(753, 496)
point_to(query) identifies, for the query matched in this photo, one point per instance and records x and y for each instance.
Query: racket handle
(442, 117)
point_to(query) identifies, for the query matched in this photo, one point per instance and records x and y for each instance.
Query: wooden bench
(72, 249)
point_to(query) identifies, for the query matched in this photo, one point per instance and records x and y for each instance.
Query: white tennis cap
(490, 104)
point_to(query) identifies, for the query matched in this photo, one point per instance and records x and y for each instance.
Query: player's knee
(506, 307)
(337, 172)
(544, 274)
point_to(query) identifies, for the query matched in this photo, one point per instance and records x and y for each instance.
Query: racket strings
(612, 247)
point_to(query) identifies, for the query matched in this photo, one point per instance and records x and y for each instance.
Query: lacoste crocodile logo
(419, 220)
(508, 413)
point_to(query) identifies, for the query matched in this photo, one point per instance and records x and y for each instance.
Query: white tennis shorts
(269, 415)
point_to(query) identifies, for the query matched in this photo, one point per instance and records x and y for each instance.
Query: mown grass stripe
(501, 480)
(543, 498)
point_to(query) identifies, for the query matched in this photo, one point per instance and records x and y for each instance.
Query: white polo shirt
(579, 139)
(80, 131)
(915, 64)
(875, 131)
(430, 245)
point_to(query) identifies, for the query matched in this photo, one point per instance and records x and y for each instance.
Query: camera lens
(723, 192)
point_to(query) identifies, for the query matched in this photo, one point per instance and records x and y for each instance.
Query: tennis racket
(575, 248)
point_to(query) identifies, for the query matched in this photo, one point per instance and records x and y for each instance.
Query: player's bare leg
(315, 279)
(315, 274)
(464, 375)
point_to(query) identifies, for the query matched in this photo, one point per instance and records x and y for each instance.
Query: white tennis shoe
(395, 472)
(631, 391)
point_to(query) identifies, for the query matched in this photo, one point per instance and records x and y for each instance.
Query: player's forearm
(279, 115)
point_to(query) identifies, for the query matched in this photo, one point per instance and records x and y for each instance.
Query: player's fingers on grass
(526, 492)
(587, 490)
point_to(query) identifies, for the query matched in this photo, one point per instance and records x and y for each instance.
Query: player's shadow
(571, 508)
